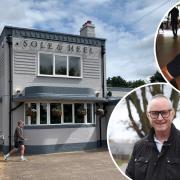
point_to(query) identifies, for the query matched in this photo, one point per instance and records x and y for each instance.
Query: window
(26, 115)
(31, 113)
(34, 113)
(68, 113)
(59, 66)
(46, 64)
(43, 113)
(80, 112)
(74, 66)
(59, 113)
(89, 113)
(55, 113)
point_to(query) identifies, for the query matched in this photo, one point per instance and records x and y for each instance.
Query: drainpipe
(103, 51)
(9, 41)
(100, 137)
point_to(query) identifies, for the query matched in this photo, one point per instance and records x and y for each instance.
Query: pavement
(86, 165)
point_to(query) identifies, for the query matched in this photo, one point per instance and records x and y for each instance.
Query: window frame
(67, 64)
(93, 115)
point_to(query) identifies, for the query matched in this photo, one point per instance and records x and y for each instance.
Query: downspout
(9, 41)
(103, 90)
(103, 51)
(100, 137)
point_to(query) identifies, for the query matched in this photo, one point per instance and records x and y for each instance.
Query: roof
(53, 36)
(123, 89)
(53, 93)
(119, 91)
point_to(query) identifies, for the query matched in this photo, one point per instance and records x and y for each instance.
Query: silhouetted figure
(174, 13)
(161, 27)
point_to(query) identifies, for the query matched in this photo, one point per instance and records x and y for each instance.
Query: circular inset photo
(143, 134)
(167, 46)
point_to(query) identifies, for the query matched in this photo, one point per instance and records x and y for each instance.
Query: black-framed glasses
(164, 114)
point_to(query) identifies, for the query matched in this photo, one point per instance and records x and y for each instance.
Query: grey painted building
(56, 83)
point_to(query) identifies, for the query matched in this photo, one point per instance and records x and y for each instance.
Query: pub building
(56, 84)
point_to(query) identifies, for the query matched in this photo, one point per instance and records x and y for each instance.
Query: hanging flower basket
(56, 112)
(81, 112)
(31, 112)
(100, 111)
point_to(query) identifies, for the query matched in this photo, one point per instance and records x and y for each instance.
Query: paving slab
(88, 165)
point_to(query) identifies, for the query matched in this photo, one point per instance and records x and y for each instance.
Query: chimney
(88, 29)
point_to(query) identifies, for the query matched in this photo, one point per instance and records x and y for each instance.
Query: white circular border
(150, 84)
(155, 37)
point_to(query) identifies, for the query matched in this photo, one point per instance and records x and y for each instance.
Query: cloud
(129, 27)
(92, 3)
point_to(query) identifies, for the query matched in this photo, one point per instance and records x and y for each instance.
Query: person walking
(174, 13)
(18, 142)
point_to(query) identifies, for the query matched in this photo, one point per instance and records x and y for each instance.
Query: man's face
(160, 115)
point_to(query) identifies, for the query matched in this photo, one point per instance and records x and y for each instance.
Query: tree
(139, 101)
(136, 83)
(157, 77)
(118, 81)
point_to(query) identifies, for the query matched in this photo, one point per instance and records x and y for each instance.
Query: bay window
(79, 112)
(55, 113)
(43, 113)
(68, 118)
(59, 113)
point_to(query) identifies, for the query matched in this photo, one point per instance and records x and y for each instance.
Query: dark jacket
(174, 14)
(147, 163)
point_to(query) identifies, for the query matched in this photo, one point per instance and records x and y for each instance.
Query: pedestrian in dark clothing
(161, 27)
(157, 156)
(18, 142)
(174, 13)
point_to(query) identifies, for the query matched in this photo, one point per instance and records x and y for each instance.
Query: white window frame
(62, 116)
(62, 76)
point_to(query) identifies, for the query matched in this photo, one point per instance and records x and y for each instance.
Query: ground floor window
(55, 113)
(59, 113)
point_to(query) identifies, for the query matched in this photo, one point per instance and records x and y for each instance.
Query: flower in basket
(30, 111)
(100, 111)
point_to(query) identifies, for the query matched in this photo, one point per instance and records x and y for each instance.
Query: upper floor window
(59, 66)
(46, 64)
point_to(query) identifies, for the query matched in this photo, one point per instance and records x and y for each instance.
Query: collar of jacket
(173, 134)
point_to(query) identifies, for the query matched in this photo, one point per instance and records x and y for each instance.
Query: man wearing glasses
(157, 156)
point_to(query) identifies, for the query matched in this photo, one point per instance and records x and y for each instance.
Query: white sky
(117, 127)
(129, 27)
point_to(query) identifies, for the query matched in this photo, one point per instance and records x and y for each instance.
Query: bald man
(157, 156)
